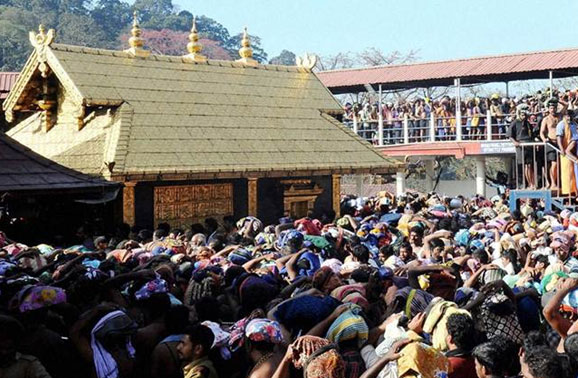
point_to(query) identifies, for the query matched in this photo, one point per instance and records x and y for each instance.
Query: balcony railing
(429, 129)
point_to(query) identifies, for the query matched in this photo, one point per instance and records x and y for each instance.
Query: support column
(400, 183)
(380, 122)
(432, 127)
(551, 77)
(128, 206)
(458, 84)
(481, 175)
(429, 175)
(336, 194)
(405, 129)
(252, 196)
(489, 125)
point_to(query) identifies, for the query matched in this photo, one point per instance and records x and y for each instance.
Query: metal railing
(534, 168)
(432, 128)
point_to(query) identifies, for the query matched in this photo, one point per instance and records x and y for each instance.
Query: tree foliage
(171, 42)
(106, 24)
(111, 16)
(285, 58)
(14, 45)
(369, 57)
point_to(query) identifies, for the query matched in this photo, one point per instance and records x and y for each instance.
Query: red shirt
(462, 367)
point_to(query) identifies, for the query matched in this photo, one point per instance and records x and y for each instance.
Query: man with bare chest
(548, 136)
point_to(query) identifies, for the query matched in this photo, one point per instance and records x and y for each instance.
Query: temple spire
(135, 42)
(246, 52)
(194, 47)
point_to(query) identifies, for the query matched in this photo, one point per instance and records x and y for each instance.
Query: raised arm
(552, 310)
(414, 272)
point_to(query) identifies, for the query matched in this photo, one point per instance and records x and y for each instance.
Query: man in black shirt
(521, 132)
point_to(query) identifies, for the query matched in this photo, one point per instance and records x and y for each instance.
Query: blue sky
(439, 29)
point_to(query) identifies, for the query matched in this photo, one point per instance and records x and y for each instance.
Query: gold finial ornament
(307, 62)
(41, 43)
(42, 38)
(135, 42)
(194, 47)
(246, 52)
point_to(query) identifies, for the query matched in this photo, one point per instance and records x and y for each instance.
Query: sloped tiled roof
(24, 170)
(7, 80)
(508, 67)
(181, 117)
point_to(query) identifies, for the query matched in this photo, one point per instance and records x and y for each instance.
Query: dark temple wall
(144, 199)
(269, 198)
(324, 203)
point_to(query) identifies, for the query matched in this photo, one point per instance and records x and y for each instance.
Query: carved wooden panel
(336, 193)
(128, 203)
(252, 193)
(183, 205)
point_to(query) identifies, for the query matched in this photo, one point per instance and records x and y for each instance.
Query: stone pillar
(400, 183)
(252, 196)
(336, 194)
(359, 185)
(429, 175)
(481, 175)
(128, 205)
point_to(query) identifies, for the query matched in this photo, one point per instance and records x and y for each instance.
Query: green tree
(45, 11)
(111, 16)
(15, 47)
(153, 13)
(81, 30)
(79, 7)
(285, 58)
(211, 29)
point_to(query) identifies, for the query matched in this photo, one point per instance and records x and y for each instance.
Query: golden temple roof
(147, 117)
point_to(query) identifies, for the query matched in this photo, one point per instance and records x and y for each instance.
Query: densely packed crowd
(473, 112)
(418, 285)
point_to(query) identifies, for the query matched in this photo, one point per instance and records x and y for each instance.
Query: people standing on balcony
(388, 114)
(548, 135)
(520, 132)
(428, 109)
(420, 120)
(412, 124)
(397, 116)
(469, 117)
(348, 113)
(452, 124)
(473, 115)
(442, 116)
(364, 116)
(497, 112)
(475, 122)
(371, 132)
(566, 132)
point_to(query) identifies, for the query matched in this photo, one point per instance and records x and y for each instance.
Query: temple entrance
(299, 196)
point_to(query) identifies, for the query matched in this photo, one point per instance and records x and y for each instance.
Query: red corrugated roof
(534, 65)
(7, 80)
